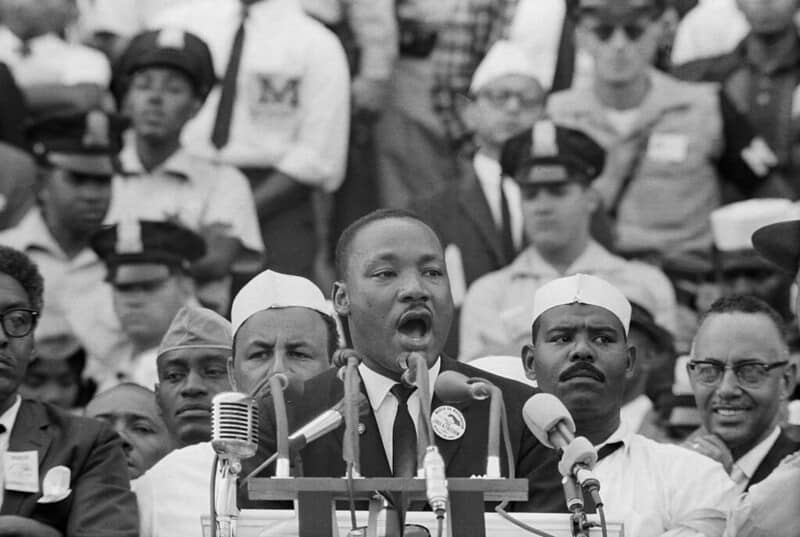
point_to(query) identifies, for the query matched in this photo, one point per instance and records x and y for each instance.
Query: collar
(531, 264)
(487, 170)
(378, 386)
(178, 165)
(782, 59)
(748, 463)
(34, 233)
(10, 416)
(623, 434)
(11, 39)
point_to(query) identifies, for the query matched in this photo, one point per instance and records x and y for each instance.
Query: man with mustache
(580, 353)
(394, 297)
(192, 368)
(281, 324)
(39, 441)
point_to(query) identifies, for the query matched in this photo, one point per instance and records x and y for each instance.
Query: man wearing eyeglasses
(670, 142)
(60, 475)
(741, 373)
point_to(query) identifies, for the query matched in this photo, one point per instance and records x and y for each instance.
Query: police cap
(617, 11)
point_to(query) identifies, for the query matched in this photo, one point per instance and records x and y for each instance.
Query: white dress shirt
(52, 60)
(7, 420)
(745, 466)
(489, 176)
(633, 412)
(384, 404)
(292, 107)
(663, 489)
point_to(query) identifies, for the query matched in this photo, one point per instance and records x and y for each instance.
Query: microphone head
(455, 387)
(234, 425)
(542, 413)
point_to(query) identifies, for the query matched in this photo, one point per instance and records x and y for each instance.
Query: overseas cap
(549, 153)
(87, 142)
(195, 327)
(270, 290)
(145, 241)
(168, 47)
(582, 289)
(504, 58)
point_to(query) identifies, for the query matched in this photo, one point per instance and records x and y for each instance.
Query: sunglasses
(633, 30)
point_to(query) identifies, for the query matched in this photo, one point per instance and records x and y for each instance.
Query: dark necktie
(602, 453)
(565, 57)
(222, 123)
(506, 236)
(404, 435)
(2, 428)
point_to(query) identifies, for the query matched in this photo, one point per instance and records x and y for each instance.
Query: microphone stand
(574, 497)
(277, 383)
(225, 498)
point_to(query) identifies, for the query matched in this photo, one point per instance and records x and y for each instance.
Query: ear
(466, 110)
(631, 361)
(593, 199)
(789, 379)
(231, 376)
(528, 358)
(341, 300)
(583, 38)
(197, 104)
(157, 395)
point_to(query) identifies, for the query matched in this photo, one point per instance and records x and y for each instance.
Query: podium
(316, 496)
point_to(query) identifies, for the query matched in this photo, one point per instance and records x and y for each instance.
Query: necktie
(404, 435)
(506, 236)
(222, 123)
(565, 57)
(602, 453)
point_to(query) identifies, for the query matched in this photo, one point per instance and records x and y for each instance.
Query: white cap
(270, 290)
(582, 289)
(504, 58)
(733, 225)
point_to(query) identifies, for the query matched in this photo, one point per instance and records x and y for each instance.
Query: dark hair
(745, 304)
(350, 232)
(19, 266)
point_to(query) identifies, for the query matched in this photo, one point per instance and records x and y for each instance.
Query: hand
(369, 95)
(17, 526)
(710, 445)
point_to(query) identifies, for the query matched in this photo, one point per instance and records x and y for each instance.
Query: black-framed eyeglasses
(18, 322)
(633, 31)
(749, 374)
(503, 97)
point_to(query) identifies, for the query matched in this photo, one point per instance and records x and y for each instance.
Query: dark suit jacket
(463, 457)
(460, 215)
(783, 446)
(101, 503)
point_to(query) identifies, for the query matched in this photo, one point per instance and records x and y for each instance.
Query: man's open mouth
(415, 324)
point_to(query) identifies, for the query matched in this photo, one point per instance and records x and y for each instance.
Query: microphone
(234, 436)
(278, 382)
(454, 387)
(551, 423)
(326, 422)
(234, 426)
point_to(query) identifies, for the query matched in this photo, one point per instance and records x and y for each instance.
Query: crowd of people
(594, 199)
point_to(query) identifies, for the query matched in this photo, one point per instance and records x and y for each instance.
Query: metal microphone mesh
(234, 425)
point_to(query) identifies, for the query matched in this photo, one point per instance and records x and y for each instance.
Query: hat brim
(100, 165)
(779, 244)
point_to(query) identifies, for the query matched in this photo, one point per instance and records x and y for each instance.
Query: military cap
(132, 242)
(551, 154)
(86, 142)
(168, 47)
(195, 327)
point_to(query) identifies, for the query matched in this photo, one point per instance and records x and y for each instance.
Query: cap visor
(780, 244)
(100, 165)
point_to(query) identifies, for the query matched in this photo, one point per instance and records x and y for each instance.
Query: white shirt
(52, 61)
(745, 466)
(292, 107)
(663, 489)
(190, 190)
(489, 176)
(7, 419)
(633, 412)
(384, 404)
(174, 493)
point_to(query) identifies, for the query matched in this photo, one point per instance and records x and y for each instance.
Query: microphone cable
(212, 500)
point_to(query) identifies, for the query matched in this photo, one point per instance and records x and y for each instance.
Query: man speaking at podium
(580, 354)
(394, 297)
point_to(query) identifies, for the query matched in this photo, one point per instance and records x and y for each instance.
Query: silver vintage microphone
(234, 436)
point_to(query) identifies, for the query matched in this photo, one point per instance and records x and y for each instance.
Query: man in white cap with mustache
(281, 323)
(580, 353)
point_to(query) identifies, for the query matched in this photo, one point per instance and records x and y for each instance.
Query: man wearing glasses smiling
(741, 374)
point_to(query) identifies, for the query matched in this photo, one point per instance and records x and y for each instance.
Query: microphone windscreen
(542, 412)
(452, 387)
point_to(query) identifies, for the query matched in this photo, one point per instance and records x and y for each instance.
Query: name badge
(21, 469)
(665, 147)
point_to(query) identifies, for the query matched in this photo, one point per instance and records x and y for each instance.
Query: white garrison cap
(504, 58)
(582, 289)
(733, 225)
(270, 290)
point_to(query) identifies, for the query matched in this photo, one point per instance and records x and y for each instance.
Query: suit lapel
(476, 209)
(29, 434)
